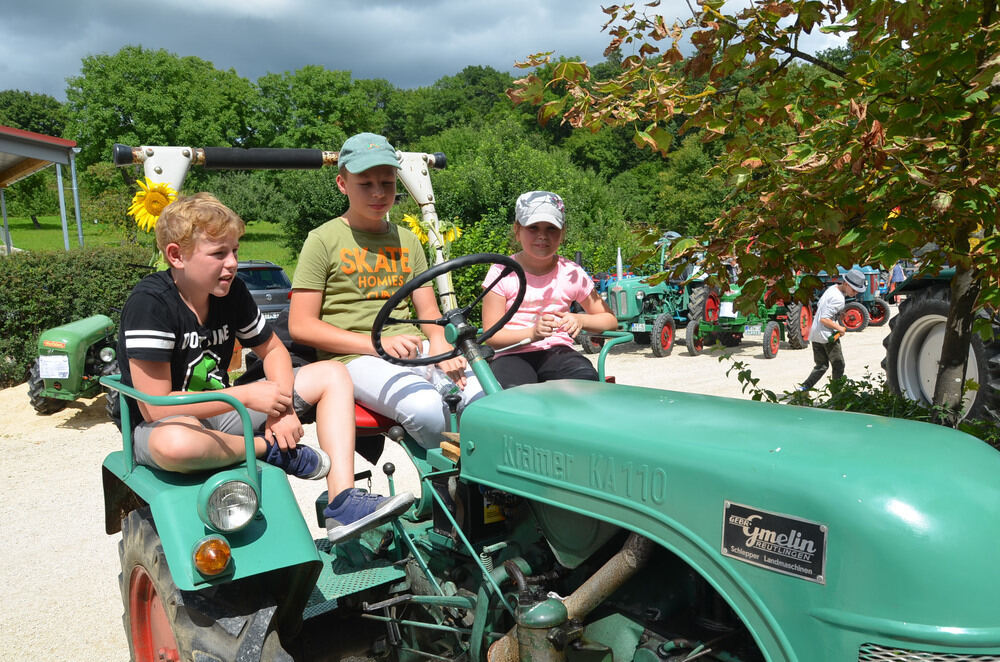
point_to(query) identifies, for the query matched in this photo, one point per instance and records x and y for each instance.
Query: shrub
(42, 290)
(870, 395)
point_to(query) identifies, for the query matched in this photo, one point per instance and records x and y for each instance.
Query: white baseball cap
(540, 207)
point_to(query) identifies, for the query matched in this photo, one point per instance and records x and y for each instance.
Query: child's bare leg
(183, 445)
(328, 385)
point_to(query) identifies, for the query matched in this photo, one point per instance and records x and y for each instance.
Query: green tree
(43, 114)
(153, 97)
(313, 108)
(32, 112)
(909, 120)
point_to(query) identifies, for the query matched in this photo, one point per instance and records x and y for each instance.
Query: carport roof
(23, 153)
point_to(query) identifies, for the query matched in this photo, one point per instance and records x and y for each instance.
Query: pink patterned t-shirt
(553, 292)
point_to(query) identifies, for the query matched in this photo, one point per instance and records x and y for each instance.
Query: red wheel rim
(712, 308)
(774, 340)
(152, 637)
(667, 337)
(852, 318)
(805, 321)
(877, 314)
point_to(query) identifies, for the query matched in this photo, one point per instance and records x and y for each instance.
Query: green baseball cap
(366, 150)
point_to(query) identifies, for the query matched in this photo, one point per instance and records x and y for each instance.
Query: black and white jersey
(157, 325)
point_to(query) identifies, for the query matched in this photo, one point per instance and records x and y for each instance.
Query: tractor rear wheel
(913, 348)
(164, 623)
(855, 317)
(799, 322)
(662, 340)
(704, 304)
(590, 344)
(772, 339)
(878, 312)
(40, 403)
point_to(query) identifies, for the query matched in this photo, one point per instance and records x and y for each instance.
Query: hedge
(41, 290)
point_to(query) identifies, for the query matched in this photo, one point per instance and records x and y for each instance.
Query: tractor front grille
(876, 653)
(617, 302)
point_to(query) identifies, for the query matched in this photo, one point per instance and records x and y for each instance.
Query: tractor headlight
(228, 503)
(107, 354)
(639, 295)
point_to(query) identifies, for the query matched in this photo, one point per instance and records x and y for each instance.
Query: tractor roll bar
(254, 158)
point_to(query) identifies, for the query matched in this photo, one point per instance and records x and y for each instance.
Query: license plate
(53, 367)
(637, 326)
(752, 330)
(271, 316)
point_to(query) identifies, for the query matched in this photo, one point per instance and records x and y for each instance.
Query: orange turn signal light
(211, 556)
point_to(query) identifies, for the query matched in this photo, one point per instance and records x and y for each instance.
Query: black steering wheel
(456, 317)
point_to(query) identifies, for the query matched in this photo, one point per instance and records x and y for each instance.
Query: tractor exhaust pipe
(621, 567)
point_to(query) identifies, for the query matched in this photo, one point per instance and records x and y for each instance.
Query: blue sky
(407, 42)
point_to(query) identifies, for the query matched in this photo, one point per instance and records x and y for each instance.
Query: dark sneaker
(354, 511)
(302, 461)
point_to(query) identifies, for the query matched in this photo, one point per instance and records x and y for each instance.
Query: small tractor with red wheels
(720, 321)
(864, 309)
(574, 521)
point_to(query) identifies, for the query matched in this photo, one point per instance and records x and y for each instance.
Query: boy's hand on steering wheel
(455, 369)
(403, 346)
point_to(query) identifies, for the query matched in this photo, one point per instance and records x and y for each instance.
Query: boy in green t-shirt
(347, 268)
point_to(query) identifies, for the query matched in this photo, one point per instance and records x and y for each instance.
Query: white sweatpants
(400, 393)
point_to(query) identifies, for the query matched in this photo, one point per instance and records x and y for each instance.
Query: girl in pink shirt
(544, 319)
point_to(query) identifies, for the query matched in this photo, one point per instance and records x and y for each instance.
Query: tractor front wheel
(591, 344)
(879, 312)
(695, 343)
(662, 340)
(855, 317)
(799, 322)
(164, 623)
(40, 403)
(772, 339)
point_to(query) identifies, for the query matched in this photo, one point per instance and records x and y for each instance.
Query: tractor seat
(369, 423)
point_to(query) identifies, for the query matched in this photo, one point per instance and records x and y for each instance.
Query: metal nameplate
(776, 542)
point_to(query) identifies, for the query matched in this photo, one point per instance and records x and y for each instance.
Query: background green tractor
(721, 321)
(913, 347)
(71, 360)
(652, 312)
(580, 521)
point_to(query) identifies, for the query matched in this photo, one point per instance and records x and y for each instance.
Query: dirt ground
(59, 570)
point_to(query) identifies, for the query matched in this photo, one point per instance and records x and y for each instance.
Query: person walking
(826, 329)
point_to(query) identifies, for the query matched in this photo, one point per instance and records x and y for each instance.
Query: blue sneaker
(353, 511)
(302, 461)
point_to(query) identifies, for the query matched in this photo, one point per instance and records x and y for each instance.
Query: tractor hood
(868, 515)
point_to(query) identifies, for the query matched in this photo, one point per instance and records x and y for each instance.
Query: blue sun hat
(364, 151)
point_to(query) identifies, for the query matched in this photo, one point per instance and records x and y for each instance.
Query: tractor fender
(276, 538)
(899, 515)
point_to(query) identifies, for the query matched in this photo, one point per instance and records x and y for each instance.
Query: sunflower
(148, 203)
(417, 227)
(452, 232)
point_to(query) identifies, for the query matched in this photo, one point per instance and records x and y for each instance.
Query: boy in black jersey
(177, 334)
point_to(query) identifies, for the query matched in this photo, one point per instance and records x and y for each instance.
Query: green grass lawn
(262, 240)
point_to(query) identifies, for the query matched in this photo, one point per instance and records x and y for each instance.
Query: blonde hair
(193, 217)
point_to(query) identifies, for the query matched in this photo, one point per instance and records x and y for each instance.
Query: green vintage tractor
(652, 311)
(773, 320)
(582, 522)
(71, 360)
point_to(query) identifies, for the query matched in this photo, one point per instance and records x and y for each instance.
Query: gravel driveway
(58, 578)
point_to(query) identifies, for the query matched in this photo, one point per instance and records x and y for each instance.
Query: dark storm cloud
(410, 44)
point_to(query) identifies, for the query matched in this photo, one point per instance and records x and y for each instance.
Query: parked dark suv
(268, 284)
